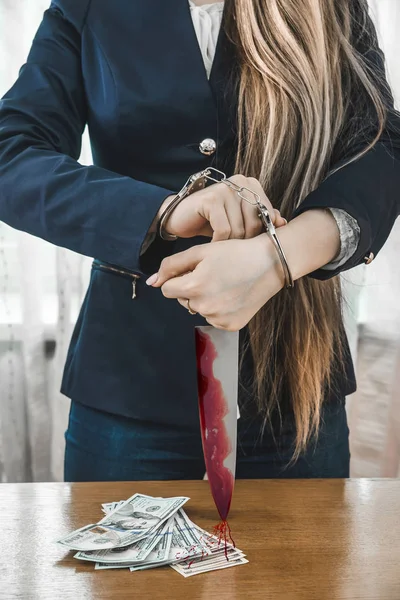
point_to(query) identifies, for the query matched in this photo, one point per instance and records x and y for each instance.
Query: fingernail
(285, 220)
(153, 279)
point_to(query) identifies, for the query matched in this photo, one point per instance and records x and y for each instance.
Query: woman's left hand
(226, 282)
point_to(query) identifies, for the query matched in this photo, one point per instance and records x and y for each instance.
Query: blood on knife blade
(217, 443)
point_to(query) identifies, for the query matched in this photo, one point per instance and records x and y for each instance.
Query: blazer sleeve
(43, 189)
(369, 188)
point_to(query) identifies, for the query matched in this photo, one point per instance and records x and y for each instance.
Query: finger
(239, 180)
(277, 219)
(252, 222)
(213, 322)
(206, 231)
(275, 214)
(177, 265)
(192, 304)
(223, 324)
(183, 288)
(219, 222)
(255, 186)
(233, 207)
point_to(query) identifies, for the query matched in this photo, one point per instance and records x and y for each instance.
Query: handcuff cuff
(198, 182)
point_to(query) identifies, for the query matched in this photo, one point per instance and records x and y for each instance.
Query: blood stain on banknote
(217, 446)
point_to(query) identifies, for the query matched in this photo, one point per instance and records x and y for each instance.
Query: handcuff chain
(197, 181)
(263, 214)
(231, 184)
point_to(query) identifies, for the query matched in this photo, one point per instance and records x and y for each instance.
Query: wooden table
(305, 540)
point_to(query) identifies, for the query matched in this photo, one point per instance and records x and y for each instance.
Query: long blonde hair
(300, 76)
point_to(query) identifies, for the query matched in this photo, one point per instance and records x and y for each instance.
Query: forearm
(309, 241)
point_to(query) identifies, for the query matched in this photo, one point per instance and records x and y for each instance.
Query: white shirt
(207, 23)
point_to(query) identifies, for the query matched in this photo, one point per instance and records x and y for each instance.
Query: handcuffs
(198, 182)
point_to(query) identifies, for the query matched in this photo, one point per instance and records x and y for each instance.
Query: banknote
(110, 506)
(109, 566)
(155, 551)
(190, 533)
(187, 535)
(161, 551)
(210, 563)
(147, 566)
(147, 533)
(184, 545)
(137, 551)
(189, 572)
(137, 518)
(198, 563)
(212, 558)
(211, 541)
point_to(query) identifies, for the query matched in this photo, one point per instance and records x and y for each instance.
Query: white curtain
(41, 288)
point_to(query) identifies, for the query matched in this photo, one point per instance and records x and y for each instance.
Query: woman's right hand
(218, 212)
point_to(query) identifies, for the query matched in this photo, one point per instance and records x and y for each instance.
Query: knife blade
(217, 355)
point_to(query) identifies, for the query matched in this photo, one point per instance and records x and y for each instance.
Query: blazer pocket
(118, 272)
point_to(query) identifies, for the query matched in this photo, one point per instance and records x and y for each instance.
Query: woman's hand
(226, 282)
(218, 212)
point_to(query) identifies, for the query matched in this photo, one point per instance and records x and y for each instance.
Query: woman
(295, 103)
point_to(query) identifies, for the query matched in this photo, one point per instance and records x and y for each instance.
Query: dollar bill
(187, 534)
(178, 540)
(110, 506)
(205, 538)
(184, 545)
(127, 554)
(185, 542)
(109, 566)
(221, 556)
(156, 552)
(138, 517)
(210, 563)
(211, 541)
(198, 564)
(147, 533)
(190, 572)
(161, 551)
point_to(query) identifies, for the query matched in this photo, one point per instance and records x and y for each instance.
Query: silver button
(369, 258)
(208, 146)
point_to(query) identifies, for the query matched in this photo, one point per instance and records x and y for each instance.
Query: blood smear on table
(217, 445)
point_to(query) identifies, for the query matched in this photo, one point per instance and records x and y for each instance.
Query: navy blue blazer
(133, 72)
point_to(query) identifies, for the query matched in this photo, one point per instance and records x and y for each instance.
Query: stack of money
(145, 532)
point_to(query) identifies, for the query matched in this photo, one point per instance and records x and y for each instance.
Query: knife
(217, 354)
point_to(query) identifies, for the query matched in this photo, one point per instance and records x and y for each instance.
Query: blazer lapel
(219, 98)
(170, 56)
(222, 83)
(216, 88)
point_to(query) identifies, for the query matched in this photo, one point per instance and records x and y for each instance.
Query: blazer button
(369, 258)
(208, 147)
